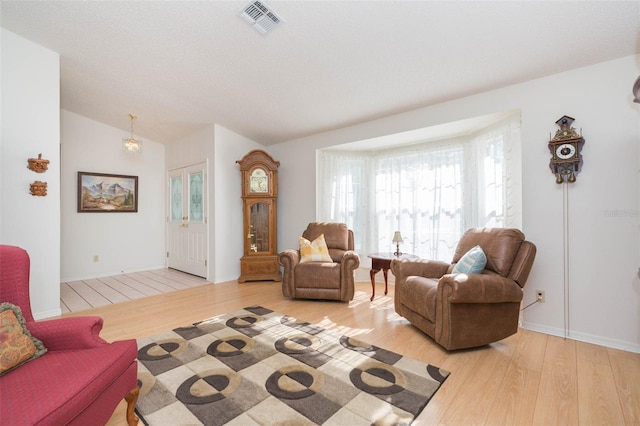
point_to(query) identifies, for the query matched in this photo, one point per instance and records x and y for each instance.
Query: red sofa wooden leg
(132, 398)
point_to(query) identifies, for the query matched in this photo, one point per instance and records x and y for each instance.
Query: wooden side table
(382, 261)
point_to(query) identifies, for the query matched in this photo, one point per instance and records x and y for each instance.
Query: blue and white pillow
(473, 262)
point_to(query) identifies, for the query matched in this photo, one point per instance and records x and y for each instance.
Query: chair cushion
(473, 262)
(500, 245)
(420, 296)
(61, 384)
(314, 251)
(317, 275)
(17, 345)
(336, 234)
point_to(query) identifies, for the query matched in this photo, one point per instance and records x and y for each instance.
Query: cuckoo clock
(566, 148)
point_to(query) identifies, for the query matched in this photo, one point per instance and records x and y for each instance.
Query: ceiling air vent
(260, 17)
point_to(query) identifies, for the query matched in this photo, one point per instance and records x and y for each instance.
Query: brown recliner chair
(322, 280)
(467, 310)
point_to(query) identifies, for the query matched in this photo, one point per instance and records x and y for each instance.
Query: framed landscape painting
(107, 193)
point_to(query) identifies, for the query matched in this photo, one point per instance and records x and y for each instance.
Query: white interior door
(187, 220)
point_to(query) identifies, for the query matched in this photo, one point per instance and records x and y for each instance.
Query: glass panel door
(187, 220)
(196, 196)
(176, 197)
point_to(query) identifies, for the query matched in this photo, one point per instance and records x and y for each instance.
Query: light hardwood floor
(528, 378)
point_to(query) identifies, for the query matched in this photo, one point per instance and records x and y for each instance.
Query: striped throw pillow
(473, 262)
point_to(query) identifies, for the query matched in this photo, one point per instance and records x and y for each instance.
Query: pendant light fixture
(131, 144)
(636, 91)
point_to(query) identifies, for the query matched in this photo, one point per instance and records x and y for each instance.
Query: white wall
(85, 235)
(604, 300)
(30, 116)
(230, 147)
(604, 293)
(123, 242)
(194, 149)
(145, 231)
(221, 148)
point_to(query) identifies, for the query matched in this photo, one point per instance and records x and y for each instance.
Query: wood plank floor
(96, 292)
(526, 379)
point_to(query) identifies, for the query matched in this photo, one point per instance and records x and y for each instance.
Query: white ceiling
(182, 65)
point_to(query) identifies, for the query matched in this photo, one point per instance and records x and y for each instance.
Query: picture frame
(107, 193)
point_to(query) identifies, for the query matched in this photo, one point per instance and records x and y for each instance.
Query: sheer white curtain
(430, 192)
(342, 178)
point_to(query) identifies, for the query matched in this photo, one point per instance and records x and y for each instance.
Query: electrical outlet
(540, 296)
(96, 258)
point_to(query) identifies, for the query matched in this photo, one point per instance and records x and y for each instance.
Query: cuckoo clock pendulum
(566, 162)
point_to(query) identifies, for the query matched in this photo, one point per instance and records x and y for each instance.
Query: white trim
(47, 314)
(113, 273)
(584, 337)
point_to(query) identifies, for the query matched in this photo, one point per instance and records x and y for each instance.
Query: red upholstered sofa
(79, 380)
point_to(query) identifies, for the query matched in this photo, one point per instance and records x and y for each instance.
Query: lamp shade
(397, 237)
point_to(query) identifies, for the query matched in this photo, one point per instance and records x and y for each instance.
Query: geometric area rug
(259, 367)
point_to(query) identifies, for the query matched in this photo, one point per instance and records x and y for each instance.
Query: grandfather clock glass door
(187, 223)
(259, 228)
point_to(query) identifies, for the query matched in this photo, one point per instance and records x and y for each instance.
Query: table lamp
(397, 238)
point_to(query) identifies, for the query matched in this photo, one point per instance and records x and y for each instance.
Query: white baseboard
(47, 314)
(110, 274)
(584, 337)
(362, 275)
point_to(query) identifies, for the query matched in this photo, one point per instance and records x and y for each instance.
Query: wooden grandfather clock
(259, 196)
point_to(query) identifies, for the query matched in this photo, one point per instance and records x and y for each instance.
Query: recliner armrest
(402, 268)
(350, 261)
(68, 333)
(348, 264)
(288, 259)
(478, 288)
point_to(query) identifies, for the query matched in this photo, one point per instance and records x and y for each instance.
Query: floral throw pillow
(17, 345)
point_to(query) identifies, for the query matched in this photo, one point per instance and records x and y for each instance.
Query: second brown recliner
(322, 280)
(467, 310)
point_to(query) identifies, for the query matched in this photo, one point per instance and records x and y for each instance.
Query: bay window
(431, 192)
